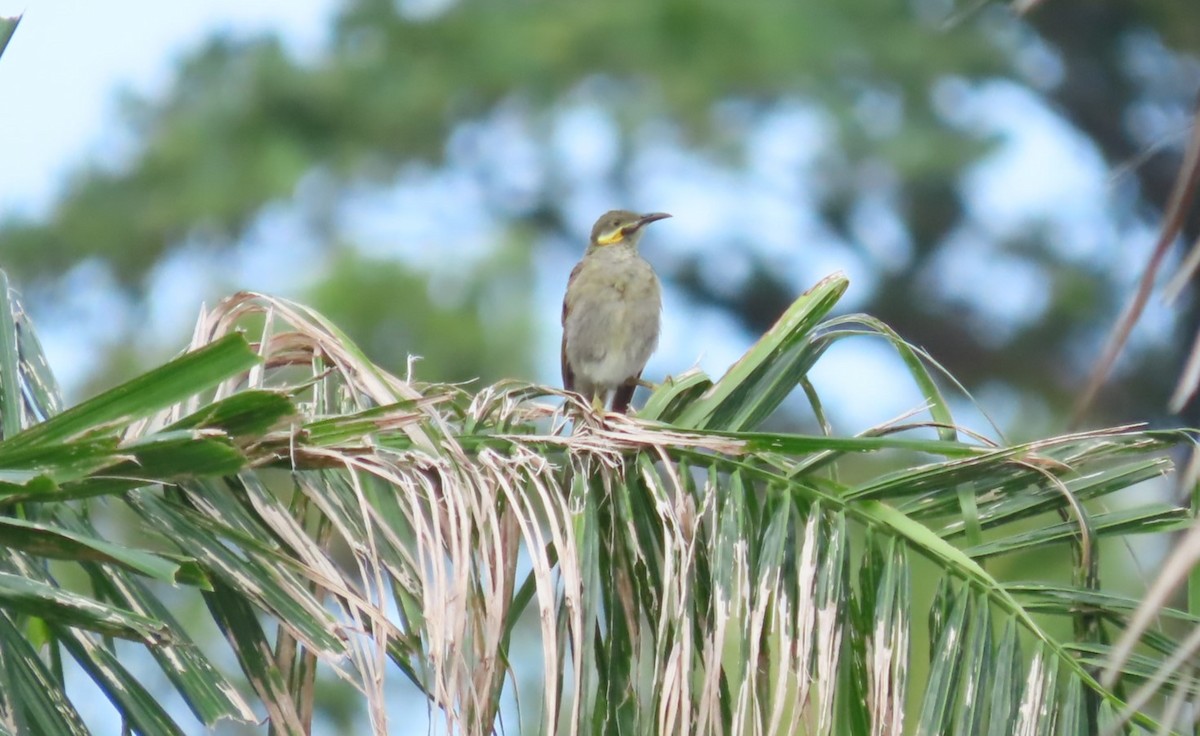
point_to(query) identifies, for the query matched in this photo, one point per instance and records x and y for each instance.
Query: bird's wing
(568, 375)
(623, 396)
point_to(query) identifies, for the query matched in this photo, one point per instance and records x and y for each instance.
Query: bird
(611, 312)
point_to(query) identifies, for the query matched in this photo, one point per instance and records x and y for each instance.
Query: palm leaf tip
(8, 26)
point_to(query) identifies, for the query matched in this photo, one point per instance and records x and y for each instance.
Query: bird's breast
(614, 320)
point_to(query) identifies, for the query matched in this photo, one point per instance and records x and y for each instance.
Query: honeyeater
(611, 312)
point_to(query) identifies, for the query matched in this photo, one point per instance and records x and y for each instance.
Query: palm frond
(679, 572)
(49, 458)
(696, 576)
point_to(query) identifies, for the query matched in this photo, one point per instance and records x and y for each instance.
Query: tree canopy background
(429, 177)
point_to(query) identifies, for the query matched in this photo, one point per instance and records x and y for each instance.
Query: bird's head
(622, 226)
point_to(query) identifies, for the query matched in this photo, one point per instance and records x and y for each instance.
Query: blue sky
(60, 106)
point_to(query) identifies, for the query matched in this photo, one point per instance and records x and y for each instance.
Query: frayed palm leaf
(682, 572)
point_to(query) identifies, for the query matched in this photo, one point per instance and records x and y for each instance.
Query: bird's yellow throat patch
(612, 236)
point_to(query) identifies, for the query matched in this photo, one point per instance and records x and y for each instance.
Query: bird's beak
(647, 219)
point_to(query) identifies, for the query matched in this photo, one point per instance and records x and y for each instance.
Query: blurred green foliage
(396, 313)
(246, 124)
